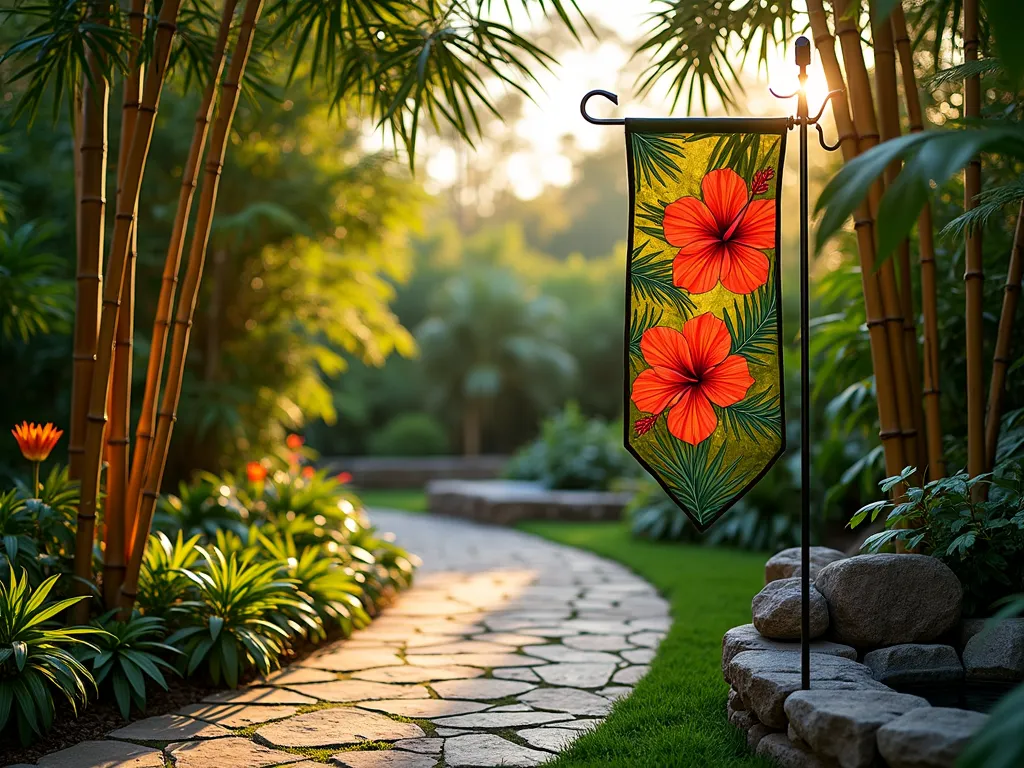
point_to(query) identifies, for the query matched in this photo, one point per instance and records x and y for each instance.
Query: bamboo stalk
(925, 234)
(974, 273)
(162, 323)
(1004, 341)
(888, 416)
(120, 390)
(889, 122)
(114, 274)
(91, 208)
(189, 294)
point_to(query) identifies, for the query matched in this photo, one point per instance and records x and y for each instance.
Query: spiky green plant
(230, 623)
(162, 580)
(34, 659)
(127, 655)
(205, 506)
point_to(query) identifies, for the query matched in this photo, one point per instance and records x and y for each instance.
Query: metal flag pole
(802, 121)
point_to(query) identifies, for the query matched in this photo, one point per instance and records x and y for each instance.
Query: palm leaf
(640, 323)
(754, 325)
(756, 417)
(650, 279)
(654, 155)
(655, 214)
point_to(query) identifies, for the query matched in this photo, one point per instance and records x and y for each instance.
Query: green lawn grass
(676, 714)
(404, 499)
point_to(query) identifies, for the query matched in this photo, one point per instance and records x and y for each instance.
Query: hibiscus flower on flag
(689, 372)
(722, 237)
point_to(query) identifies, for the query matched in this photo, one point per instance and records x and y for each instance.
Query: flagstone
(576, 725)
(506, 638)
(564, 653)
(515, 673)
(639, 656)
(489, 750)
(480, 689)
(598, 643)
(227, 753)
(548, 631)
(446, 732)
(104, 754)
(427, 745)
(473, 660)
(419, 674)
(290, 675)
(585, 675)
(500, 719)
(647, 638)
(341, 691)
(337, 726)
(424, 708)
(384, 758)
(571, 700)
(353, 660)
(237, 715)
(465, 646)
(258, 696)
(418, 640)
(552, 739)
(169, 728)
(512, 708)
(616, 692)
(630, 675)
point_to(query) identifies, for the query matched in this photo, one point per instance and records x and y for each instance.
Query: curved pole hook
(782, 95)
(831, 95)
(600, 120)
(821, 140)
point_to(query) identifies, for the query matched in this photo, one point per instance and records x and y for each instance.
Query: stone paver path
(507, 648)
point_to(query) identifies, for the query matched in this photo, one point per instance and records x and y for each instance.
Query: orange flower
(689, 371)
(294, 442)
(722, 238)
(308, 472)
(36, 440)
(256, 472)
(343, 477)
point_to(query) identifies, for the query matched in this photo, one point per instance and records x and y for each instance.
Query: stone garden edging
(506, 502)
(888, 621)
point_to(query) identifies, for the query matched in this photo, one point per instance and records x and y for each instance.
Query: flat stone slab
(338, 726)
(611, 643)
(293, 675)
(425, 708)
(259, 696)
(523, 674)
(630, 675)
(464, 646)
(997, 653)
(484, 689)
(507, 638)
(562, 653)
(383, 758)
(426, 746)
(506, 502)
(477, 750)
(104, 754)
(915, 664)
(228, 753)
(928, 738)
(353, 660)
(584, 675)
(237, 715)
(344, 691)
(842, 724)
(486, 660)
(571, 700)
(500, 719)
(746, 638)
(169, 728)
(778, 747)
(551, 739)
(410, 674)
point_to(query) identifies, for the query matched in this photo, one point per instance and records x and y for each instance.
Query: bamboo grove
(398, 62)
(906, 373)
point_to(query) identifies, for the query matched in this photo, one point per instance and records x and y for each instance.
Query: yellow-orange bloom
(36, 440)
(255, 471)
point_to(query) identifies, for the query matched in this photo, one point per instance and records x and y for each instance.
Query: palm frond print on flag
(704, 389)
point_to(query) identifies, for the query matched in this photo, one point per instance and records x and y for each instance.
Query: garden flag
(704, 383)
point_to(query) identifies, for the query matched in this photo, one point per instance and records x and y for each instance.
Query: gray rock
(968, 629)
(735, 702)
(777, 610)
(777, 747)
(484, 749)
(756, 732)
(577, 675)
(571, 700)
(552, 739)
(747, 638)
(997, 653)
(501, 719)
(383, 758)
(786, 564)
(842, 724)
(426, 746)
(482, 689)
(766, 678)
(928, 738)
(880, 600)
(795, 740)
(742, 719)
(909, 663)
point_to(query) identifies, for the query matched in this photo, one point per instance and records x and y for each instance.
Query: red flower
(308, 472)
(690, 371)
(294, 442)
(36, 440)
(344, 477)
(722, 238)
(256, 472)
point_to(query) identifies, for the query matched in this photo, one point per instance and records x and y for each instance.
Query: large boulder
(746, 638)
(880, 600)
(777, 610)
(765, 679)
(914, 664)
(786, 564)
(928, 738)
(842, 724)
(996, 653)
